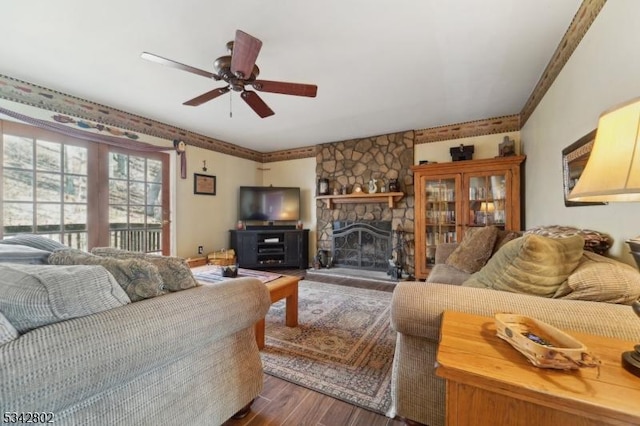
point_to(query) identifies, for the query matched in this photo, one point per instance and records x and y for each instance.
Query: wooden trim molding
(584, 17)
(488, 126)
(40, 97)
(289, 154)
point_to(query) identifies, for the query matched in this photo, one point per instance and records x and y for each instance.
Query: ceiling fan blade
(296, 89)
(206, 97)
(244, 55)
(173, 64)
(256, 103)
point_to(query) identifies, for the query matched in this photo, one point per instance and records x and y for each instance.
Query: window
(135, 202)
(83, 194)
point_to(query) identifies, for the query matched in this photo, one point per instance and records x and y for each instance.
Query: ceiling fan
(239, 70)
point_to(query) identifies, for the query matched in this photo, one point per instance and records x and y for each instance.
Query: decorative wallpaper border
(289, 154)
(41, 97)
(89, 125)
(488, 126)
(584, 17)
(30, 94)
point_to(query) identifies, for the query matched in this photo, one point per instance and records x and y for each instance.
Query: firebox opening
(361, 244)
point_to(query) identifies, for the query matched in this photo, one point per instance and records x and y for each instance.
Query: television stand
(268, 227)
(271, 247)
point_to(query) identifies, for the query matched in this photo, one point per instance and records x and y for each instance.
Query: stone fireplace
(356, 162)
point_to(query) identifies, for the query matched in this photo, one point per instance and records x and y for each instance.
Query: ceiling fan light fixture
(222, 64)
(238, 69)
(254, 74)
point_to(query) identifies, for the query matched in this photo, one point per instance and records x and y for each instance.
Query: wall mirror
(574, 158)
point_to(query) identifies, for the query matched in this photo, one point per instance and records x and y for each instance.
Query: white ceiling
(381, 66)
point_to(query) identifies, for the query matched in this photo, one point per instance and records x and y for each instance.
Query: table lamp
(487, 209)
(612, 174)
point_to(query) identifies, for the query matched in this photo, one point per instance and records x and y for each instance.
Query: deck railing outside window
(141, 240)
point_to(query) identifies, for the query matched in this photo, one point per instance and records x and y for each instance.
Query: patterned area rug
(343, 346)
(213, 274)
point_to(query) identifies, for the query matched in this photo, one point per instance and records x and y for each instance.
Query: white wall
(483, 147)
(205, 220)
(603, 72)
(300, 173)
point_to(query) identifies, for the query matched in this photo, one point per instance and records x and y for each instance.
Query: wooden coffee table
(491, 383)
(285, 287)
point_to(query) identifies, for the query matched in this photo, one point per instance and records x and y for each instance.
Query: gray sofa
(186, 357)
(417, 307)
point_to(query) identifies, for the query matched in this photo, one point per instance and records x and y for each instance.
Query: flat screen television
(269, 203)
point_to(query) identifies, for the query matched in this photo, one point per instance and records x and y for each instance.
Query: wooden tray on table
(544, 345)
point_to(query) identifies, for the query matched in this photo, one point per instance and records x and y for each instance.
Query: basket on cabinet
(224, 257)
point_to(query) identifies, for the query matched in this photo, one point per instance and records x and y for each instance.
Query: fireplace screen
(362, 244)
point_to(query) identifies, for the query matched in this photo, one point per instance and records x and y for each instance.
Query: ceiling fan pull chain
(230, 109)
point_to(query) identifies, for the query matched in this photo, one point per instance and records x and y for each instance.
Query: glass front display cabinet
(453, 197)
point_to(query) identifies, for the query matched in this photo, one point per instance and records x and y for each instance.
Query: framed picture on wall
(204, 184)
(574, 159)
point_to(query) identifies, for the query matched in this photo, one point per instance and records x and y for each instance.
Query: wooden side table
(490, 383)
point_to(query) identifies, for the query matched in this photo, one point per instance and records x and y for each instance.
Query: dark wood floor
(284, 403)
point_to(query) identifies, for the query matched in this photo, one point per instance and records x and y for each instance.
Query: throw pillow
(138, 278)
(597, 242)
(532, 264)
(474, 250)
(504, 237)
(35, 295)
(600, 279)
(7, 331)
(175, 272)
(14, 253)
(35, 241)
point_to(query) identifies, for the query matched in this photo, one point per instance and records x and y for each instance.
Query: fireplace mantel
(362, 197)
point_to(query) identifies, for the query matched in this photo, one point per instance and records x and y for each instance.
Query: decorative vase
(373, 187)
(393, 185)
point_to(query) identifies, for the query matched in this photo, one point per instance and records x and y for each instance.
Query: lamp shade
(612, 172)
(487, 207)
